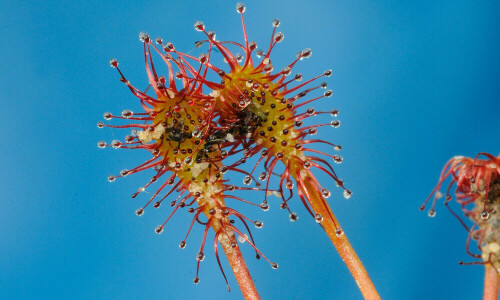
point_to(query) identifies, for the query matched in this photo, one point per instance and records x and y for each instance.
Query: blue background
(415, 83)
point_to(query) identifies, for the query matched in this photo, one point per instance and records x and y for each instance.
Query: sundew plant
(265, 150)
(191, 128)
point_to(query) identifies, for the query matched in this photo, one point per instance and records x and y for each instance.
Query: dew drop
(111, 178)
(274, 265)
(199, 26)
(339, 232)
(278, 37)
(306, 53)
(107, 116)
(286, 71)
(447, 198)
(334, 113)
(337, 159)
(200, 256)
(203, 58)
(159, 40)
(144, 37)
(310, 111)
(328, 73)
(240, 7)
(276, 23)
(335, 123)
(328, 93)
(139, 211)
(262, 176)
(318, 218)
(260, 53)
(159, 229)
(337, 147)
(431, 213)
(307, 164)
(127, 113)
(485, 215)
(347, 194)
(196, 280)
(182, 245)
(211, 34)
(252, 46)
(326, 193)
(293, 217)
(124, 172)
(113, 63)
(116, 144)
(247, 180)
(198, 44)
(101, 144)
(289, 184)
(324, 85)
(258, 224)
(264, 206)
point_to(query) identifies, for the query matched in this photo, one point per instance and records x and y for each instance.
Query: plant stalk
(340, 241)
(237, 263)
(491, 283)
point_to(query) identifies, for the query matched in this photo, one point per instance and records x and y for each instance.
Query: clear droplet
(274, 265)
(485, 215)
(278, 37)
(107, 116)
(111, 178)
(335, 123)
(289, 184)
(182, 245)
(101, 144)
(326, 193)
(139, 211)
(263, 176)
(159, 229)
(337, 147)
(276, 23)
(264, 206)
(127, 113)
(347, 194)
(247, 180)
(144, 37)
(328, 73)
(196, 280)
(293, 217)
(431, 213)
(339, 232)
(328, 93)
(258, 224)
(199, 26)
(116, 144)
(337, 159)
(306, 53)
(200, 256)
(318, 218)
(240, 7)
(211, 34)
(113, 63)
